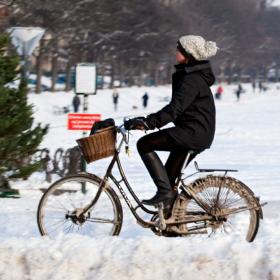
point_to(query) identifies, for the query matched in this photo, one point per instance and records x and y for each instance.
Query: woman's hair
(191, 59)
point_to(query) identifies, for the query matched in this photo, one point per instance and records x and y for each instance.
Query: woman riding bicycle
(192, 110)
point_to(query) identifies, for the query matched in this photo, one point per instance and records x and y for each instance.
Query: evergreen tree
(19, 138)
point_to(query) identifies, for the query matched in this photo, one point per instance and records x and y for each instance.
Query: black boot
(166, 198)
(159, 175)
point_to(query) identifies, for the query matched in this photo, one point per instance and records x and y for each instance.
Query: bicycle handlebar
(121, 129)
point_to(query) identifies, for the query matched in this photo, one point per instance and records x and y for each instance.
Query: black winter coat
(192, 107)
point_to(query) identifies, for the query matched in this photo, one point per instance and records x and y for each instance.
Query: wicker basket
(99, 145)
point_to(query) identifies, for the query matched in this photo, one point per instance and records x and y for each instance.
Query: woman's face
(180, 58)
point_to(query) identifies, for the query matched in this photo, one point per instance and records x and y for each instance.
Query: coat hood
(202, 67)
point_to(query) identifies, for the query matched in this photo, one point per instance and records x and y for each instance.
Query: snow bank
(76, 257)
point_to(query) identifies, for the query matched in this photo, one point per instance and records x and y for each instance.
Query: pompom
(211, 48)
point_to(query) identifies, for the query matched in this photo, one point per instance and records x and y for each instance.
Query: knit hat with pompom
(197, 46)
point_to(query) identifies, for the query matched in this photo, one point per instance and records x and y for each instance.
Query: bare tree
(133, 39)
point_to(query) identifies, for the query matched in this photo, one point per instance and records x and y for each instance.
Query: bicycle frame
(109, 174)
(124, 179)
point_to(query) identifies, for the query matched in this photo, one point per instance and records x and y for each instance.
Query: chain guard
(166, 233)
(178, 213)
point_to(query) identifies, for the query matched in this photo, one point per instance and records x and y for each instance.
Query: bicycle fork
(92, 203)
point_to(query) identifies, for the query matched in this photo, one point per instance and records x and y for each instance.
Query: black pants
(162, 141)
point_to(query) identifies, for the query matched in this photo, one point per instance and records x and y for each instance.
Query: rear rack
(212, 170)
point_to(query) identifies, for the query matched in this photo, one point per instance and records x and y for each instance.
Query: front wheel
(60, 208)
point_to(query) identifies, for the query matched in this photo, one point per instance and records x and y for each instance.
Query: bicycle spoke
(59, 208)
(63, 207)
(236, 210)
(58, 226)
(55, 218)
(80, 228)
(100, 220)
(69, 229)
(230, 225)
(60, 221)
(72, 202)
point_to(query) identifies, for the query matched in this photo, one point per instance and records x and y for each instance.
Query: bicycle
(87, 204)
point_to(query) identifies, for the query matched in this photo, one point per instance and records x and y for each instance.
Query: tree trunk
(68, 83)
(4, 184)
(130, 73)
(150, 72)
(54, 71)
(142, 72)
(112, 73)
(156, 69)
(39, 70)
(121, 74)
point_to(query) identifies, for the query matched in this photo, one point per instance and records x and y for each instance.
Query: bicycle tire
(232, 192)
(61, 199)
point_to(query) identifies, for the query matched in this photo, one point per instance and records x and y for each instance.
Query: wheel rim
(61, 207)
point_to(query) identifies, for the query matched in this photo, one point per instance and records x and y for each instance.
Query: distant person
(260, 86)
(219, 92)
(239, 91)
(76, 103)
(145, 99)
(254, 86)
(115, 96)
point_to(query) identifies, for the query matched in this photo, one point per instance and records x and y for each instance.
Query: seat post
(190, 152)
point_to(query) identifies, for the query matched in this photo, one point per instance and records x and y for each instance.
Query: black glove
(136, 123)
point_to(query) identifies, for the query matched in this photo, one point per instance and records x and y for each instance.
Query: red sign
(82, 121)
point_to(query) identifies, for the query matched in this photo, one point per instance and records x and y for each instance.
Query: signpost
(85, 82)
(85, 85)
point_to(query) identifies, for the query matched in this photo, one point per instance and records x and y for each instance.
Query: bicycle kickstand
(161, 221)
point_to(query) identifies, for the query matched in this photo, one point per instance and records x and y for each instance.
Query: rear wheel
(60, 208)
(233, 205)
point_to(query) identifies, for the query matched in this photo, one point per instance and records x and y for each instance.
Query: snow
(247, 139)
(73, 257)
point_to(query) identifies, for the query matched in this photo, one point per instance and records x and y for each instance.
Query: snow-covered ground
(247, 139)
